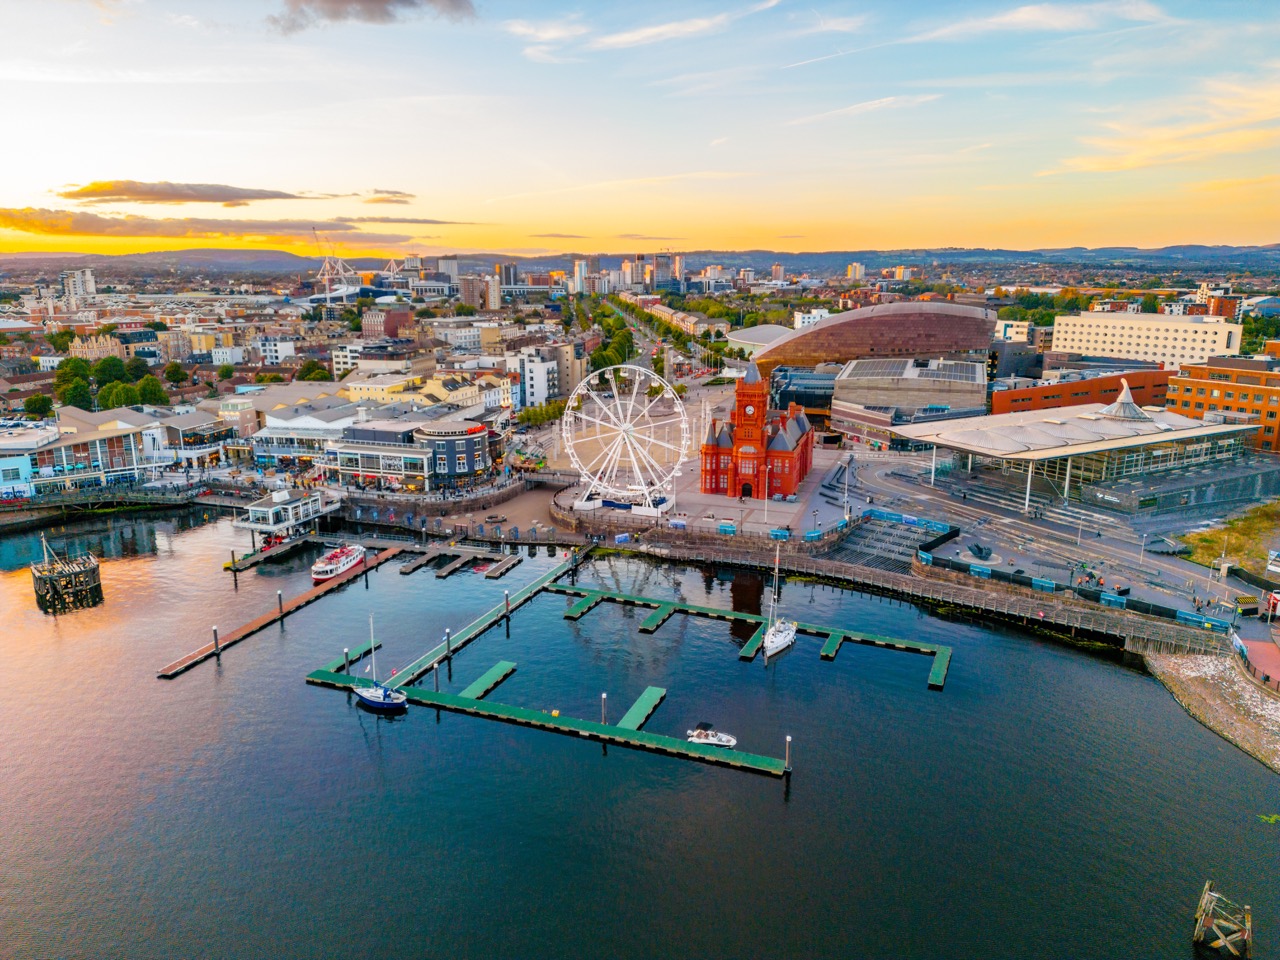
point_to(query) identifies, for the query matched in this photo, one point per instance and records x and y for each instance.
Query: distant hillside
(1186, 257)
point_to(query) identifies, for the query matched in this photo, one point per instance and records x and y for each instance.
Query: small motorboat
(336, 562)
(706, 733)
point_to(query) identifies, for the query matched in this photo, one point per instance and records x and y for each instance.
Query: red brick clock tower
(756, 448)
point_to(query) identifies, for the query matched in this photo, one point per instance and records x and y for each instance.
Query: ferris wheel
(626, 431)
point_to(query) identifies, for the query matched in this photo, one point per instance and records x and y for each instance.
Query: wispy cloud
(135, 191)
(1229, 117)
(79, 223)
(718, 141)
(866, 106)
(675, 29)
(400, 220)
(559, 236)
(300, 14)
(542, 53)
(556, 31)
(1049, 17)
(641, 236)
(821, 24)
(1264, 183)
(389, 196)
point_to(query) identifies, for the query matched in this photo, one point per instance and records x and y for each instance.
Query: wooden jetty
(503, 566)
(626, 733)
(835, 636)
(278, 552)
(461, 556)
(1223, 925)
(283, 609)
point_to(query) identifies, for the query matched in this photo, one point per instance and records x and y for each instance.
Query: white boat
(336, 562)
(705, 733)
(779, 634)
(378, 696)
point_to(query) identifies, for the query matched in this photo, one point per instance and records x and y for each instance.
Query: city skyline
(433, 126)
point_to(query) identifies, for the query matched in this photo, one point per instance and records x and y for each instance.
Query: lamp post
(847, 465)
(1143, 552)
(767, 465)
(815, 520)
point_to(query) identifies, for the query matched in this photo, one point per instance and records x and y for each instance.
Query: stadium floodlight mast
(617, 430)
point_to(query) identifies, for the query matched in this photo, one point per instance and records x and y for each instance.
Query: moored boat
(336, 562)
(379, 696)
(779, 634)
(706, 733)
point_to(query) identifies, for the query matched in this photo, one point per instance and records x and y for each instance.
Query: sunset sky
(397, 126)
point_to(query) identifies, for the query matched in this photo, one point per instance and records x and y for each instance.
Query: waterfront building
(872, 398)
(757, 453)
(92, 459)
(908, 329)
(754, 339)
(283, 512)
(1099, 452)
(1232, 389)
(415, 455)
(1072, 388)
(1155, 337)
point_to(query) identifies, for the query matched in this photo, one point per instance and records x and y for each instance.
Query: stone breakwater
(1213, 691)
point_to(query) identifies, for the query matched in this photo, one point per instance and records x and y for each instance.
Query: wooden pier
(461, 557)
(283, 609)
(626, 733)
(665, 609)
(278, 552)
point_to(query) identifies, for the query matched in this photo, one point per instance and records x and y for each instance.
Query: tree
(464, 310)
(60, 341)
(1150, 303)
(226, 371)
(136, 368)
(76, 394)
(151, 391)
(72, 368)
(118, 394)
(107, 397)
(156, 325)
(38, 406)
(268, 378)
(109, 370)
(424, 313)
(313, 370)
(174, 373)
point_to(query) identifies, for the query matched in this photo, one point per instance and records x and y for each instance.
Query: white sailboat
(779, 634)
(378, 696)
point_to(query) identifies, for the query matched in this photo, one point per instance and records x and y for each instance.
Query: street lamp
(1142, 553)
(847, 465)
(815, 520)
(767, 465)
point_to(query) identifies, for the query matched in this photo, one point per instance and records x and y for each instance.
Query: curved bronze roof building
(916, 328)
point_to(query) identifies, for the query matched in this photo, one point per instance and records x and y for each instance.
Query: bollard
(787, 765)
(506, 596)
(603, 699)
(280, 602)
(217, 650)
(448, 646)
(233, 559)
(436, 672)
(346, 660)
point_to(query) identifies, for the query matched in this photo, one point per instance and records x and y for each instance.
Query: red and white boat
(336, 562)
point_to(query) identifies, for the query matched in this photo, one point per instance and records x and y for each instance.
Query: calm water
(1046, 804)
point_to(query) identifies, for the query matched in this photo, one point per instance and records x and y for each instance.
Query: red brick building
(758, 453)
(1147, 386)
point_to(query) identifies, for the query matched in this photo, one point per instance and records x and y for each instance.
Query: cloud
(560, 236)
(390, 196)
(611, 184)
(79, 223)
(834, 25)
(555, 32)
(675, 29)
(865, 106)
(718, 141)
(641, 236)
(1050, 17)
(300, 14)
(539, 53)
(383, 191)
(386, 200)
(1226, 118)
(398, 220)
(135, 191)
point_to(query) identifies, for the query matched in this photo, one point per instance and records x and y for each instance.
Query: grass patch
(1248, 538)
(720, 381)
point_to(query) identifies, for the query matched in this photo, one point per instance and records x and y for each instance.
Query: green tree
(464, 310)
(107, 396)
(117, 394)
(109, 370)
(60, 341)
(174, 373)
(151, 391)
(76, 394)
(313, 370)
(268, 378)
(156, 325)
(107, 329)
(136, 368)
(72, 368)
(38, 406)
(425, 313)
(1150, 303)
(226, 371)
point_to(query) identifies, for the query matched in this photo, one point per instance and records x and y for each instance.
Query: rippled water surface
(1046, 804)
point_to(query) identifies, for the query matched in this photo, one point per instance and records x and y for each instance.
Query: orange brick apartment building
(1232, 389)
(1148, 388)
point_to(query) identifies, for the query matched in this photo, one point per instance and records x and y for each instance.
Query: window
(442, 464)
(9, 473)
(1271, 414)
(462, 462)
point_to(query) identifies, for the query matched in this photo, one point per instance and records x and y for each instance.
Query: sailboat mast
(373, 656)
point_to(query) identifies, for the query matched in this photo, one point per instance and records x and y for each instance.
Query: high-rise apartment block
(855, 271)
(776, 274)
(508, 273)
(472, 290)
(78, 283)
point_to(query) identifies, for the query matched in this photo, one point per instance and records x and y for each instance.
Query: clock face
(750, 409)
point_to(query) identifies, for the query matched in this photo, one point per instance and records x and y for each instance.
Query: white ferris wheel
(626, 431)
